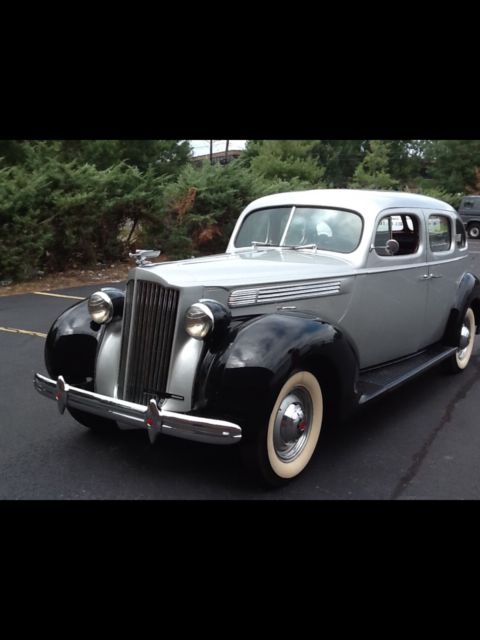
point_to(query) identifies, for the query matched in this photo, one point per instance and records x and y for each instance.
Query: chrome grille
(147, 337)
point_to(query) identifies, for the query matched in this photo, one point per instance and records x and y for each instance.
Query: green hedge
(59, 214)
(66, 203)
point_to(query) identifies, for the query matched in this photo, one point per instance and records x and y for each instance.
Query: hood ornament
(141, 256)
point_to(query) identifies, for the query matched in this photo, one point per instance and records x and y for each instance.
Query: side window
(439, 233)
(460, 235)
(404, 228)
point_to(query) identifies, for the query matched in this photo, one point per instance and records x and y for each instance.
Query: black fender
(71, 346)
(468, 295)
(241, 374)
(72, 342)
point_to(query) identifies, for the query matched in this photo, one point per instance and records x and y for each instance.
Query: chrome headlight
(100, 307)
(199, 321)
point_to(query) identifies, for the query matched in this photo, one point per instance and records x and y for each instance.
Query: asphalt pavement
(421, 442)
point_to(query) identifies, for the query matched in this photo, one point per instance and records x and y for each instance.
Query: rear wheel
(99, 425)
(284, 446)
(459, 361)
(474, 230)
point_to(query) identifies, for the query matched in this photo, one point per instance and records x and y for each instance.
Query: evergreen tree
(11, 152)
(55, 213)
(407, 161)
(372, 172)
(289, 164)
(453, 164)
(339, 159)
(164, 157)
(201, 208)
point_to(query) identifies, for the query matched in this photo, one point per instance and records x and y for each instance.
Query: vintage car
(323, 301)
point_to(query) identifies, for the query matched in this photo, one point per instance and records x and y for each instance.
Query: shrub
(55, 213)
(201, 208)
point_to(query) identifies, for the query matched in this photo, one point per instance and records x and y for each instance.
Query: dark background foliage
(76, 202)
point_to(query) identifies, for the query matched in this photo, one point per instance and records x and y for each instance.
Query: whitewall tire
(294, 425)
(284, 446)
(463, 354)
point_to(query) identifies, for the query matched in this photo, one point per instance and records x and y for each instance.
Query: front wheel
(460, 359)
(284, 446)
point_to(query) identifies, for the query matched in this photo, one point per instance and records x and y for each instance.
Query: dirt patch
(116, 272)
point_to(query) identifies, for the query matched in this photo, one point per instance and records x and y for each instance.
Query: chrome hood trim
(246, 297)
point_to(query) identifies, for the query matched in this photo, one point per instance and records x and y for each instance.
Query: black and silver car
(323, 301)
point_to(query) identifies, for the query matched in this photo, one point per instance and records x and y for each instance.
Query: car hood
(250, 268)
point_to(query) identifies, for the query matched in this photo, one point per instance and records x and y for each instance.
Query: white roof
(363, 201)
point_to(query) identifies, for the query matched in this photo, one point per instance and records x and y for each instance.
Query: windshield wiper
(256, 244)
(303, 246)
(295, 247)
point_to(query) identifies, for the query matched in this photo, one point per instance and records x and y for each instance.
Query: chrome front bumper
(137, 416)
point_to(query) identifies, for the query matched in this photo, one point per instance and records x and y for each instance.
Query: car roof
(363, 201)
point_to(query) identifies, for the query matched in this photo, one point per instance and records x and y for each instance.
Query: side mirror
(392, 247)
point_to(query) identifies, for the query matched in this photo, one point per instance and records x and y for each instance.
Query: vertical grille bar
(147, 338)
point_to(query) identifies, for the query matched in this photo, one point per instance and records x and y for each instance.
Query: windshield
(326, 229)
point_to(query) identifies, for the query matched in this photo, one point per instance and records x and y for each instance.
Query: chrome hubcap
(292, 424)
(465, 334)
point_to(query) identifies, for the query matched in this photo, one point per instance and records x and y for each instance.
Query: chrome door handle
(429, 276)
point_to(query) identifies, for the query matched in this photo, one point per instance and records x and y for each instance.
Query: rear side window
(439, 233)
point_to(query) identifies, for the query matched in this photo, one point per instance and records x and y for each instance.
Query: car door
(447, 253)
(391, 294)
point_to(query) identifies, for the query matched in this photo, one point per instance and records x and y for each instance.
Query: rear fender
(468, 295)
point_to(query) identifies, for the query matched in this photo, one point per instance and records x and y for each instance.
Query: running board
(374, 382)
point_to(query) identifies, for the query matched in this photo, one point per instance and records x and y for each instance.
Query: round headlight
(100, 307)
(199, 321)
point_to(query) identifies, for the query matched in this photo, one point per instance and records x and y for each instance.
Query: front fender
(240, 376)
(71, 346)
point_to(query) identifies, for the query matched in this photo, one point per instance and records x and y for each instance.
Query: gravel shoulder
(116, 272)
